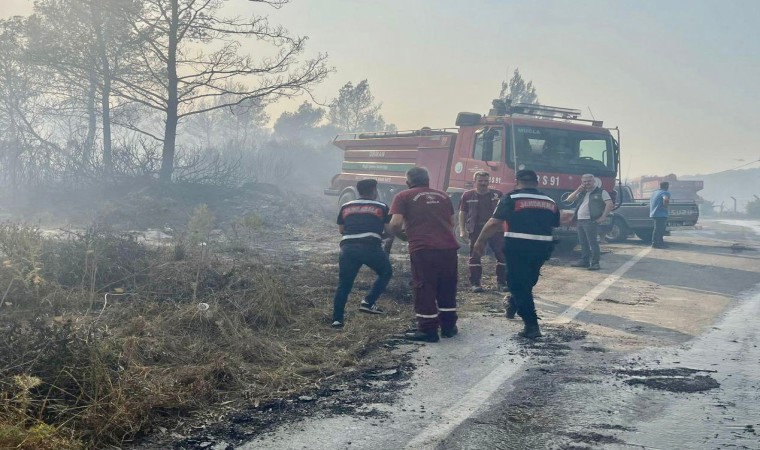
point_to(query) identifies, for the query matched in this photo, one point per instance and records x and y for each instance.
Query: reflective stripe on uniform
(534, 196)
(362, 201)
(447, 309)
(361, 235)
(533, 237)
(475, 265)
(427, 316)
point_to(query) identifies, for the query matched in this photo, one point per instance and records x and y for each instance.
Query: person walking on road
(531, 216)
(658, 210)
(592, 206)
(475, 208)
(425, 218)
(362, 223)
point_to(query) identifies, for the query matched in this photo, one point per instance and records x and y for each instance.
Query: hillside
(721, 186)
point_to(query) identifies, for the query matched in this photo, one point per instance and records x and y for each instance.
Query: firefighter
(475, 208)
(425, 218)
(531, 215)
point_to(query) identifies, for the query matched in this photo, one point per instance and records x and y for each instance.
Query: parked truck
(555, 142)
(686, 190)
(632, 217)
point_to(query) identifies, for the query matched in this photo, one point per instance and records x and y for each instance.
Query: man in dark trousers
(475, 208)
(528, 243)
(592, 206)
(425, 217)
(658, 210)
(362, 223)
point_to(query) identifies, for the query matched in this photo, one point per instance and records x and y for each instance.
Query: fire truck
(553, 141)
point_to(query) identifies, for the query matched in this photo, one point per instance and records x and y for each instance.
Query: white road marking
(464, 408)
(575, 309)
(431, 436)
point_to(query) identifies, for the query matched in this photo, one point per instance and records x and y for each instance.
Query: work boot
(476, 289)
(449, 332)
(421, 336)
(531, 331)
(511, 307)
(594, 266)
(337, 324)
(503, 287)
(579, 263)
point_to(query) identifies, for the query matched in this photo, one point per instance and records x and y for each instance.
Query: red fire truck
(553, 141)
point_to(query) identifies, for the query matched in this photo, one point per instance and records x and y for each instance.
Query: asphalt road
(657, 350)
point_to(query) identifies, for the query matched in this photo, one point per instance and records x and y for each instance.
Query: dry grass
(122, 337)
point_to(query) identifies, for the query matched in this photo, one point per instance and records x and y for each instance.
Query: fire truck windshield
(559, 150)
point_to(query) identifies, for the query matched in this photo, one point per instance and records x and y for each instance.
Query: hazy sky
(678, 77)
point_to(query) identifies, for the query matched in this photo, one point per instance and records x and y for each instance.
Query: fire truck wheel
(346, 197)
(618, 232)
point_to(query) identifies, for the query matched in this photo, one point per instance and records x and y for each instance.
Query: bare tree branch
(180, 85)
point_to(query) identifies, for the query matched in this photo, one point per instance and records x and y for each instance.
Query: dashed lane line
(484, 389)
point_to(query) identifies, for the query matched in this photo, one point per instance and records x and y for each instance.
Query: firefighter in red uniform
(425, 217)
(531, 217)
(475, 208)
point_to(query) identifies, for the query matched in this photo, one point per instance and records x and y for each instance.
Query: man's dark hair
(418, 176)
(664, 185)
(365, 187)
(527, 178)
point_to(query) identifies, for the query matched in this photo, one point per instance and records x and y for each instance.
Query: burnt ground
(570, 372)
(352, 394)
(679, 379)
(293, 234)
(290, 233)
(577, 394)
(567, 366)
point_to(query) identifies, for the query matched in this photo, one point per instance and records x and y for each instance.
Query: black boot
(422, 336)
(531, 331)
(449, 332)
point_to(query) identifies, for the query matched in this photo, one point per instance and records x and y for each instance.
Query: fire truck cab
(555, 142)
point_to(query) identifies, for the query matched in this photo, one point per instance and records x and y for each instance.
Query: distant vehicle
(555, 142)
(632, 217)
(681, 190)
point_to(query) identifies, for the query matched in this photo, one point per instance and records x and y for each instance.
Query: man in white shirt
(591, 210)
